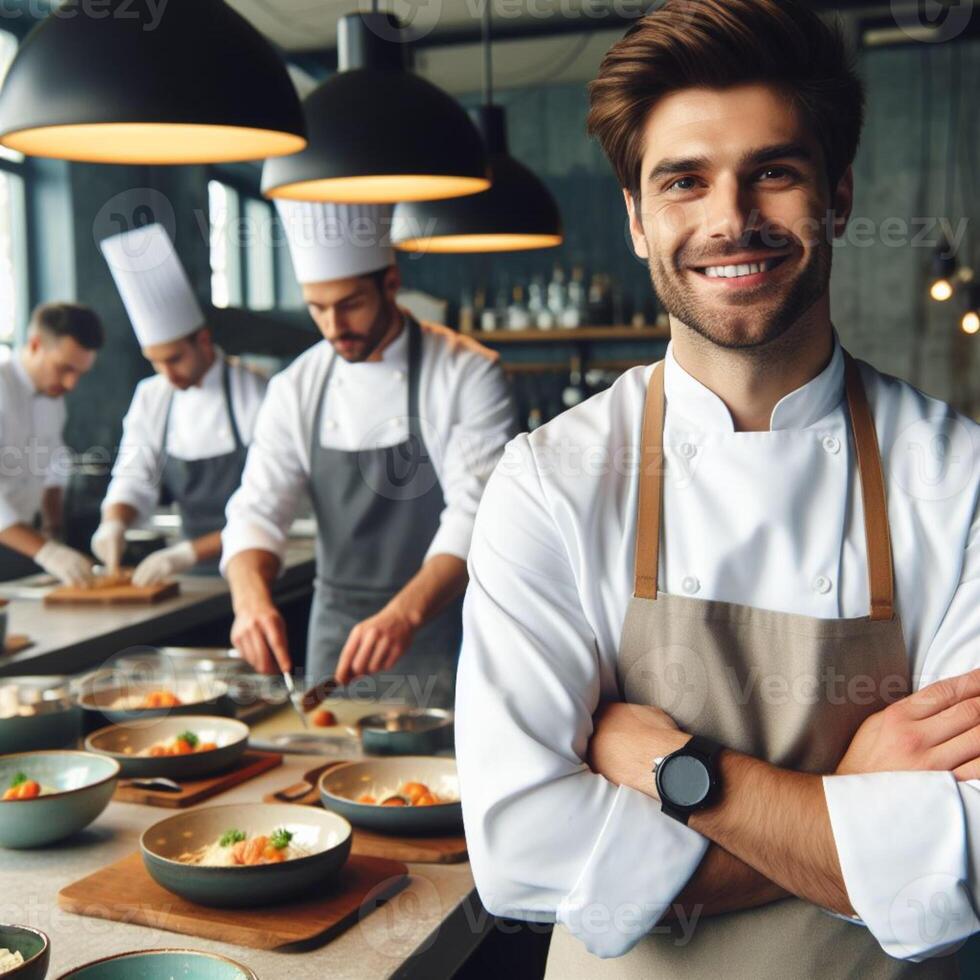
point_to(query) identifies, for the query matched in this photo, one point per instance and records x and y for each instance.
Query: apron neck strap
(881, 584)
(226, 387)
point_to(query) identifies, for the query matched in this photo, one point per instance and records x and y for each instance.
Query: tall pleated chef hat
(153, 285)
(336, 241)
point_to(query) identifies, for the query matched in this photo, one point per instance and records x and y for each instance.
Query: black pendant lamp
(190, 81)
(379, 133)
(518, 212)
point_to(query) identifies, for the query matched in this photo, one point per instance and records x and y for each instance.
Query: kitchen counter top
(413, 922)
(70, 639)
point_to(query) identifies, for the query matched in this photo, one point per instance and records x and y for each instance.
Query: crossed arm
(770, 829)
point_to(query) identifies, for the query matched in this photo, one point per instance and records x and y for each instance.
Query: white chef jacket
(766, 519)
(199, 428)
(32, 454)
(466, 412)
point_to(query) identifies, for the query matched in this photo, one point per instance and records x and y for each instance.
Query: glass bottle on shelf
(557, 294)
(467, 313)
(517, 313)
(574, 314)
(537, 308)
(487, 314)
(575, 391)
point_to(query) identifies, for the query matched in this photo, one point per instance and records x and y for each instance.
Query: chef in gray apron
(61, 345)
(187, 428)
(367, 424)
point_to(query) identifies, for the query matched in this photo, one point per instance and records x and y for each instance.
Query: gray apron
(713, 667)
(14, 565)
(201, 488)
(377, 511)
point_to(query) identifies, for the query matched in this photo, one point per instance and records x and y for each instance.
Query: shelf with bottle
(567, 309)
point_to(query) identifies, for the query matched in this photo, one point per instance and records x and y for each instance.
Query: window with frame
(242, 239)
(14, 282)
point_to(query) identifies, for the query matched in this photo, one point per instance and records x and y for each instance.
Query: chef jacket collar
(21, 371)
(803, 407)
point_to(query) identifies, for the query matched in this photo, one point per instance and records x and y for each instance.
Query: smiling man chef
(703, 636)
(392, 426)
(187, 427)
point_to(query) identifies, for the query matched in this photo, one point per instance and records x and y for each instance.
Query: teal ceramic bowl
(341, 786)
(326, 836)
(37, 713)
(33, 945)
(162, 964)
(125, 742)
(83, 782)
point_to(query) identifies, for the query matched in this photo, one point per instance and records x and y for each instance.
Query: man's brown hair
(73, 320)
(718, 44)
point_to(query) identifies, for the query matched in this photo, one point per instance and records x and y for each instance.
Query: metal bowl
(328, 835)
(37, 713)
(406, 731)
(124, 743)
(341, 786)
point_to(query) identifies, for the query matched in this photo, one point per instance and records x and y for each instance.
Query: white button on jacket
(762, 516)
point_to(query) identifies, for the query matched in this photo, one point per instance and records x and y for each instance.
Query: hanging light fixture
(197, 85)
(517, 212)
(378, 132)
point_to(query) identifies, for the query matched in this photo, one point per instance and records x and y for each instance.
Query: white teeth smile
(734, 271)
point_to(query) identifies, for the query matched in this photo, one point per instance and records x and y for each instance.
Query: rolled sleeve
(909, 842)
(548, 838)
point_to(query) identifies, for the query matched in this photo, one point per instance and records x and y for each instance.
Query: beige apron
(786, 688)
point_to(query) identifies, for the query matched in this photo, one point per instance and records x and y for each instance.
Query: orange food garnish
(161, 699)
(366, 798)
(207, 746)
(324, 718)
(394, 801)
(426, 799)
(182, 747)
(413, 791)
(26, 790)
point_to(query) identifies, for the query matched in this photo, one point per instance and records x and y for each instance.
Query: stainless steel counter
(69, 639)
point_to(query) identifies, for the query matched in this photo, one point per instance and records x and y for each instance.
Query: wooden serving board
(125, 892)
(15, 642)
(423, 850)
(113, 595)
(251, 764)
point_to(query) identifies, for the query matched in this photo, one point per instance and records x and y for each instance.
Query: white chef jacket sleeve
(11, 461)
(917, 886)
(274, 481)
(137, 471)
(485, 419)
(548, 838)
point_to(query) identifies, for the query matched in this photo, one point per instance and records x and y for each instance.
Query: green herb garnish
(19, 778)
(280, 838)
(190, 738)
(230, 837)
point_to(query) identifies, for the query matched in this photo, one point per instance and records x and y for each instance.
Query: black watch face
(684, 780)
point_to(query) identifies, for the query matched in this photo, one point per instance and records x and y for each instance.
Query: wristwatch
(688, 780)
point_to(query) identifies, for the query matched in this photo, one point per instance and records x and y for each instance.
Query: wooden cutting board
(423, 850)
(125, 892)
(251, 764)
(15, 642)
(113, 595)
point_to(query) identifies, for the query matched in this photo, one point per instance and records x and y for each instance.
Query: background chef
(187, 427)
(392, 426)
(61, 345)
(778, 621)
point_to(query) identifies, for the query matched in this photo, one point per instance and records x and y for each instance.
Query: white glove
(68, 565)
(165, 563)
(109, 542)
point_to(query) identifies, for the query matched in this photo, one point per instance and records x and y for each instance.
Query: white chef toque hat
(153, 285)
(336, 241)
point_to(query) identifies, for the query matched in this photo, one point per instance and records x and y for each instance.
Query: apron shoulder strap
(881, 585)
